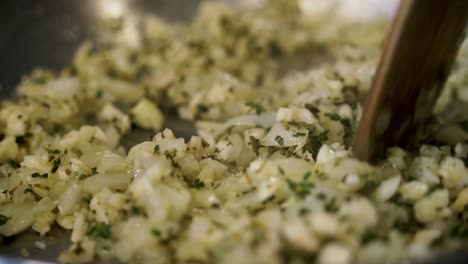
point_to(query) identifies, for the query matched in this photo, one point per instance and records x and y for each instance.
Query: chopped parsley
(87, 199)
(156, 232)
(323, 136)
(271, 150)
(4, 219)
(461, 231)
(279, 140)
(198, 184)
(315, 142)
(170, 236)
(369, 187)
(249, 190)
(202, 108)
(156, 149)
(334, 117)
(346, 123)
(36, 196)
(299, 134)
(331, 206)
(58, 129)
(56, 164)
(369, 236)
(303, 211)
(99, 94)
(255, 143)
(100, 230)
(55, 151)
(303, 187)
(38, 175)
(20, 140)
(398, 200)
(314, 110)
(14, 164)
(281, 170)
(321, 196)
(255, 106)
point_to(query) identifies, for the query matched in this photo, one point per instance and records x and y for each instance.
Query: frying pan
(46, 33)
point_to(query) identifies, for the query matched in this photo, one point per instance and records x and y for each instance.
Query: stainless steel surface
(56, 242)
(45, 33)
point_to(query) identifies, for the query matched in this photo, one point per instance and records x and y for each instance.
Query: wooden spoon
(418, 55)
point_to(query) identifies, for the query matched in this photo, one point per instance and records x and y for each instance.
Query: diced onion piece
(20, 217)
(116, 181)
(147, 115)
(388, 188)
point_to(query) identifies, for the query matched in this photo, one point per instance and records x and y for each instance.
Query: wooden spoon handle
(418, 55)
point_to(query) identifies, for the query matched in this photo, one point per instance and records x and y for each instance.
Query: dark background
(47, 32)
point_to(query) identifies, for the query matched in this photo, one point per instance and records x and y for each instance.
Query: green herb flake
(281, 170)
(303, 211)
(314, 110)
(315, 142)
(249, 190)
(36, 196)
(346, 123)
(321, 196)
(324, 135)
(55, 151)
(369, 187)
(14, 164)
(256, 106)
(255, 143)
(100, 230)
(20, 140)
(171, 235)
(38, 175)
(156, 232)
(58, 129)
(295, 155)
(334, 117)
(156, 149)
(293, 123)
(4, 219)
(271, 150)
(460, 231)
(87, 199)
(198, 184)
(369, 236)
(279, 140)
(302, 188)
(94, 170)
(202, 108)
(56, 164)
(299, 134)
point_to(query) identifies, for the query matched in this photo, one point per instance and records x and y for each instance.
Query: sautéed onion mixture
(276, 95)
